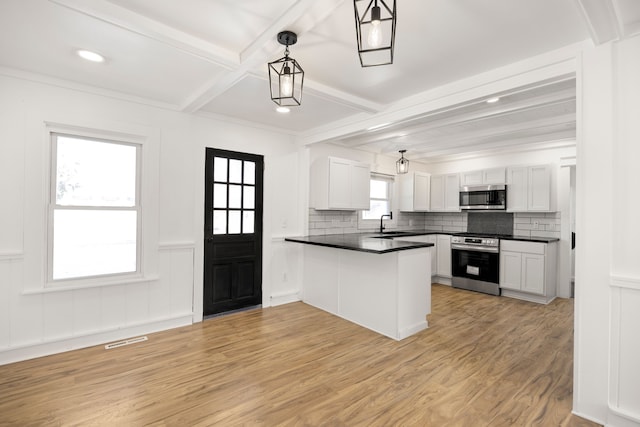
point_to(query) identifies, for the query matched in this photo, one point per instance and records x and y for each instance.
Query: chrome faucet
(382, 217)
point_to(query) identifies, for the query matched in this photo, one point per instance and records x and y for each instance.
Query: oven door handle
(475, 248)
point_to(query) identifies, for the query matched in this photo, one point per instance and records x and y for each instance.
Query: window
(94, 209)
(380, 197)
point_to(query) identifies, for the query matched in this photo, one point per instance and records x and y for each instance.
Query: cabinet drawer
(523, 247)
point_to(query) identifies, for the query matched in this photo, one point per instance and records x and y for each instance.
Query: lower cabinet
(528, 270)
(443, 268)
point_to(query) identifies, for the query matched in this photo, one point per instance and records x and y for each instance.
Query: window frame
(52, 207)
(374, 223)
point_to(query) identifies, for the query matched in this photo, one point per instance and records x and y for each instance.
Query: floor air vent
(125, 342)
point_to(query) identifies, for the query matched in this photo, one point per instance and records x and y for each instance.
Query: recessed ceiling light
(90, 56)
(283, 110)
(493, 100)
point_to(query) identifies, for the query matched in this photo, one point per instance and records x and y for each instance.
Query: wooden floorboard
(484, 361)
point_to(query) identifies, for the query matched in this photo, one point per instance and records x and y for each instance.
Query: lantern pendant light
(402, 165)
(375, 31)
(286, 77)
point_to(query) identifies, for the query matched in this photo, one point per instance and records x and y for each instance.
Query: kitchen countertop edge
(357, 243)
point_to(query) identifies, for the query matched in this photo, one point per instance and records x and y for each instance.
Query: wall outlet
(536, 225)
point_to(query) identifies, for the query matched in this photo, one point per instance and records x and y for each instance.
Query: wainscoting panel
(624, 387)
(37, 323)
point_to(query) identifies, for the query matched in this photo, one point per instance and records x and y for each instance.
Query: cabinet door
(493, 176)
(539, 193)
(421, 192)
(471, 178)
(444, 256)
(360, 186)
(533, 273)
(434, 253)
(437, 193)
(339, 184)
(452, 193)
(510, 270)
(517, 189)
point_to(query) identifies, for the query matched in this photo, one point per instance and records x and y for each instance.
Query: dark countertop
(380, 243)
(531, 239)
(375, 243)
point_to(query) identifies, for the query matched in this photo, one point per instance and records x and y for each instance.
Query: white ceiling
(210, 56)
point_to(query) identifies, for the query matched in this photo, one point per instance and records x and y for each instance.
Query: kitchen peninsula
(369, 279)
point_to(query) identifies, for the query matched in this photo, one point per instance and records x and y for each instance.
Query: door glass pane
(235, 196)
(220, 169)
(249, 197)
(378, 189)
(94, 242)
(247, 222)
(93, 173)
(219, 222)
(234, 222)
(249, 173)
(235, 171)
(219, 195)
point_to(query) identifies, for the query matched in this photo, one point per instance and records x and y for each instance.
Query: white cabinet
(531, 189)
(445, 193)
(492, 176)
(339, 184)
(360, 186)
(426, 238)
(415, 192)
(443, 248)
(528, 270)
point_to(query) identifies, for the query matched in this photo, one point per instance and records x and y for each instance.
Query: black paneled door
(233, 231)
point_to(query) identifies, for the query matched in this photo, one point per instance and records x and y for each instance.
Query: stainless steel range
(475, 263)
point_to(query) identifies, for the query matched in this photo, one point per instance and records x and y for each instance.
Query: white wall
(35, 320)
(607, 317)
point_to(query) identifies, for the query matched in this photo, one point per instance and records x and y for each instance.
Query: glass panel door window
(233, 196)
(94, 208)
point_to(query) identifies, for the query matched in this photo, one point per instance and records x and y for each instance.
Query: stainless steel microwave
(483, 197)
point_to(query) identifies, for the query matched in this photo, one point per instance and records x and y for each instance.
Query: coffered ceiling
(209, 57)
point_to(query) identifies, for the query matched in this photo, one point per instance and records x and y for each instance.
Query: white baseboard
(441, 280)
(413, 329)
(32, 351)
(281, 298)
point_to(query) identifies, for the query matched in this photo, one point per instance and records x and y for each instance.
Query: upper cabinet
(531, 189)
(415, 189)
(445, 193)
(492, 176)
(339, 184)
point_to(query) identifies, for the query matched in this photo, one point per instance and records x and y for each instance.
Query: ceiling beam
(472, 139)
(139, 24)
(567, 135)
(601, 20)
(530, 144)
(431, 121)
(264, 47)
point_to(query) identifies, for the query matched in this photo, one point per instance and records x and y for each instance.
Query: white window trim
(147, 194)
(374, 224)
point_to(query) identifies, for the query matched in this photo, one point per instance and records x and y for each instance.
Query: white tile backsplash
(342, 222)
(548, 224)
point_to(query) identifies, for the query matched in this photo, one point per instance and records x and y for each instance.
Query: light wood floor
(484, 361)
